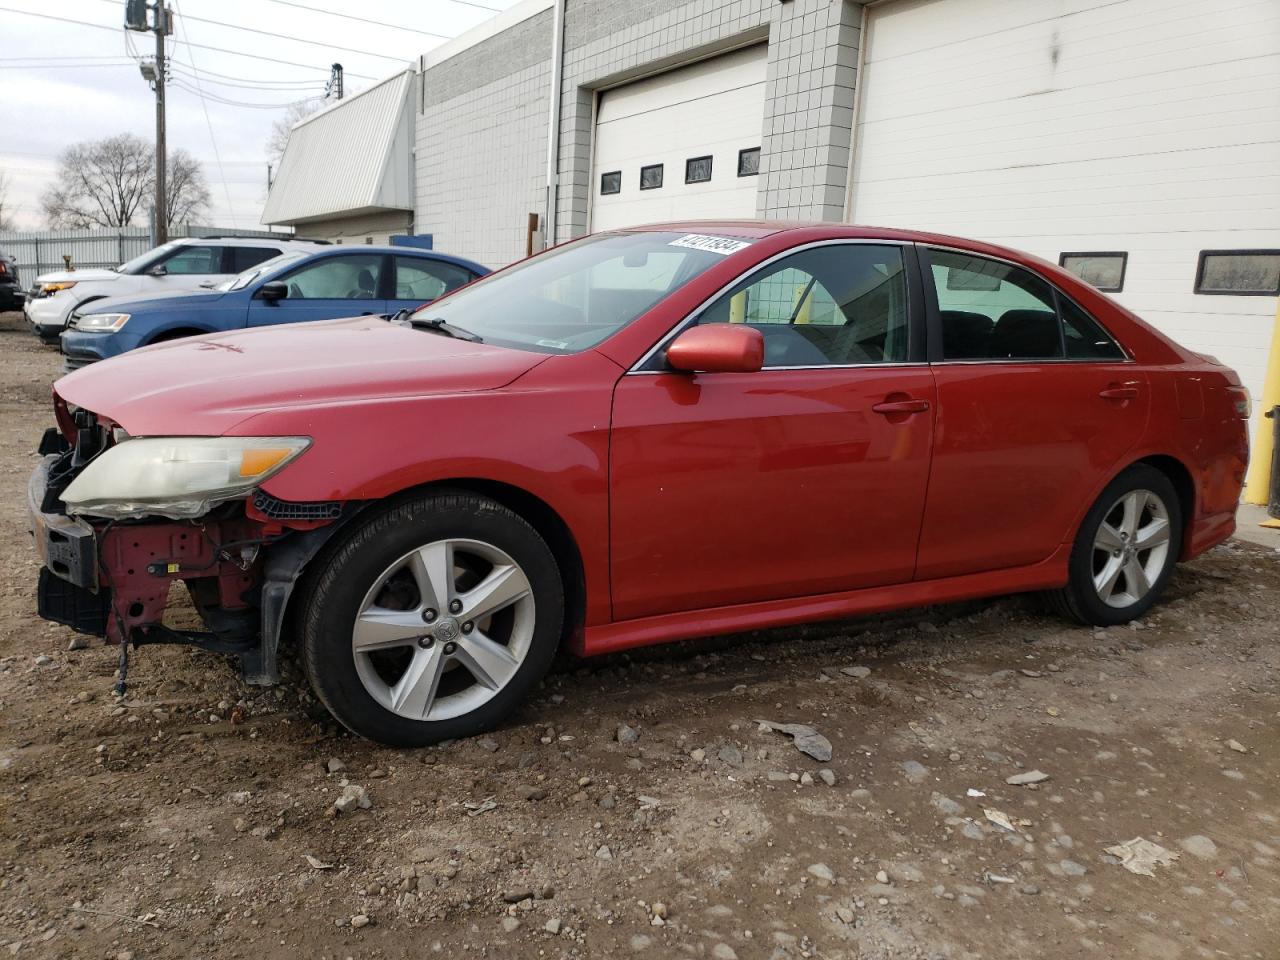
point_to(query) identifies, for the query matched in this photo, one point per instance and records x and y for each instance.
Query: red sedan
(665, 432)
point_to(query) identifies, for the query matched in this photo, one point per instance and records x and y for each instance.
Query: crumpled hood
(63, 276)
(131, 303)
(204, 386)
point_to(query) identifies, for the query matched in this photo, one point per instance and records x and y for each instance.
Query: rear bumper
(1207, 532)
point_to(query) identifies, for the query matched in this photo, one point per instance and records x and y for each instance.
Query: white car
(184, 264)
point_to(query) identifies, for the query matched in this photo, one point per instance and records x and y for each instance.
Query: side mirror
(273, 290)
(157, 271)
(717, 348)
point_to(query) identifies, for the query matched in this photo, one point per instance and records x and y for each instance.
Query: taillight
(4, 269)
(1241, 400)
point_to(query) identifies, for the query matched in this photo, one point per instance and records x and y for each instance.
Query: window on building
(749, 162)
(992, 310)
(352, 277)
(1105, 271)
(611, 182)
(697, 170)
(834, 305)
(1242, 273)
(651, 177)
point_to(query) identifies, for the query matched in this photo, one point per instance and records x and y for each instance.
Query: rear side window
(240, 259)
(418, 278)
(990, 310)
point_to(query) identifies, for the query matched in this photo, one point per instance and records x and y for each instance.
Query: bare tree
(101, 183)
(6, 221)
(293, 114)
(110, 182)
(186, 192)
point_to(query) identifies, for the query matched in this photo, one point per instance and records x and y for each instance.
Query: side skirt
(612, 637)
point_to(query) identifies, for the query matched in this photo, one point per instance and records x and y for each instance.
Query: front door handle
(890, 407)
(1120, 391)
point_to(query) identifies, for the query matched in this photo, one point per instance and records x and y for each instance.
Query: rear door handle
(890, 407)
(1127, 391)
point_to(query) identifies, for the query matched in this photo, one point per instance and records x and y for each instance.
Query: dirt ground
(194, 817)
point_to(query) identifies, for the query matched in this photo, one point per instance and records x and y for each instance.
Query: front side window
(193, 260)
(573, 297)
(242, 280)
(418, 278)
(991, 310)
(832, 305)
(353, 277)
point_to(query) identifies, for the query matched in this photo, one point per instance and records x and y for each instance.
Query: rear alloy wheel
(1125, 551)
(433, 620)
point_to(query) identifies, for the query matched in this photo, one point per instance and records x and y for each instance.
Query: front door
(792, 481)
(348, 285)
(1037, 405)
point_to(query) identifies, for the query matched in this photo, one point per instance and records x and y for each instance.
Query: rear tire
(1125, 551)
(432, 620)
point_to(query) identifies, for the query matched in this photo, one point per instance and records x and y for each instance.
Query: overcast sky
(64, 82)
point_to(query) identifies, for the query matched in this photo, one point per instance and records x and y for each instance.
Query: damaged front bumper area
(112, 578)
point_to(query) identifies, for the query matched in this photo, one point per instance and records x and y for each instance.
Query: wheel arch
(173, 333)
(550, 526)
(1184, 485)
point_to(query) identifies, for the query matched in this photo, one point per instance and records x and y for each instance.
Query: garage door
(667, 147)
(1144, 127)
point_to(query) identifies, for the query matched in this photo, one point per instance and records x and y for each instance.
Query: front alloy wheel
(432, 619)
(443, 629)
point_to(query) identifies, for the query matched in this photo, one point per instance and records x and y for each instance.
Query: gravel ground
(637, 808)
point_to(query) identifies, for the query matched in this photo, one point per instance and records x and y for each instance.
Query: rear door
(1037, 404)
(326, 288)
(803, 478)
(420, 280)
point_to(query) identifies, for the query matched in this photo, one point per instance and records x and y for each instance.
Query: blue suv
(291, 288)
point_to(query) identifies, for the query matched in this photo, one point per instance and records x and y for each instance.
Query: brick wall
(482, 139)
(481, 143)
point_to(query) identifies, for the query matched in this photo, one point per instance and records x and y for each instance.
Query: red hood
(204, 386)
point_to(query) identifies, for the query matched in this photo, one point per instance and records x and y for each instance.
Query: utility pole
(161, 28)
(135, 18)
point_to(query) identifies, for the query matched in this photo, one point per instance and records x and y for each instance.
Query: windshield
(242, 280)
(572, 298)
(140, 263)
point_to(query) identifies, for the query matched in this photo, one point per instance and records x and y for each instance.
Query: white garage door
(1150, 127)
(713, 109)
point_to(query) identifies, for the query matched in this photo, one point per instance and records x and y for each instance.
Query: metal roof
(350, 158)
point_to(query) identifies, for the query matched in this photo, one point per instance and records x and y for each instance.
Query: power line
(182, 84)
(63, 66)
(277, 36)
(302, 90)
(377, 23)
(226, 190)
(280, 86)
(187, 43)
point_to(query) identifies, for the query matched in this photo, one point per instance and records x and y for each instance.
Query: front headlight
(101, 322)
(49, 288)
(176, 477)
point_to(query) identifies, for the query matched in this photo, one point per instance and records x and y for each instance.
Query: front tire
(432, 620)
(1125, 551)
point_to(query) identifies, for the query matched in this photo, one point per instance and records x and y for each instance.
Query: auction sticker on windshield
(721, 245)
